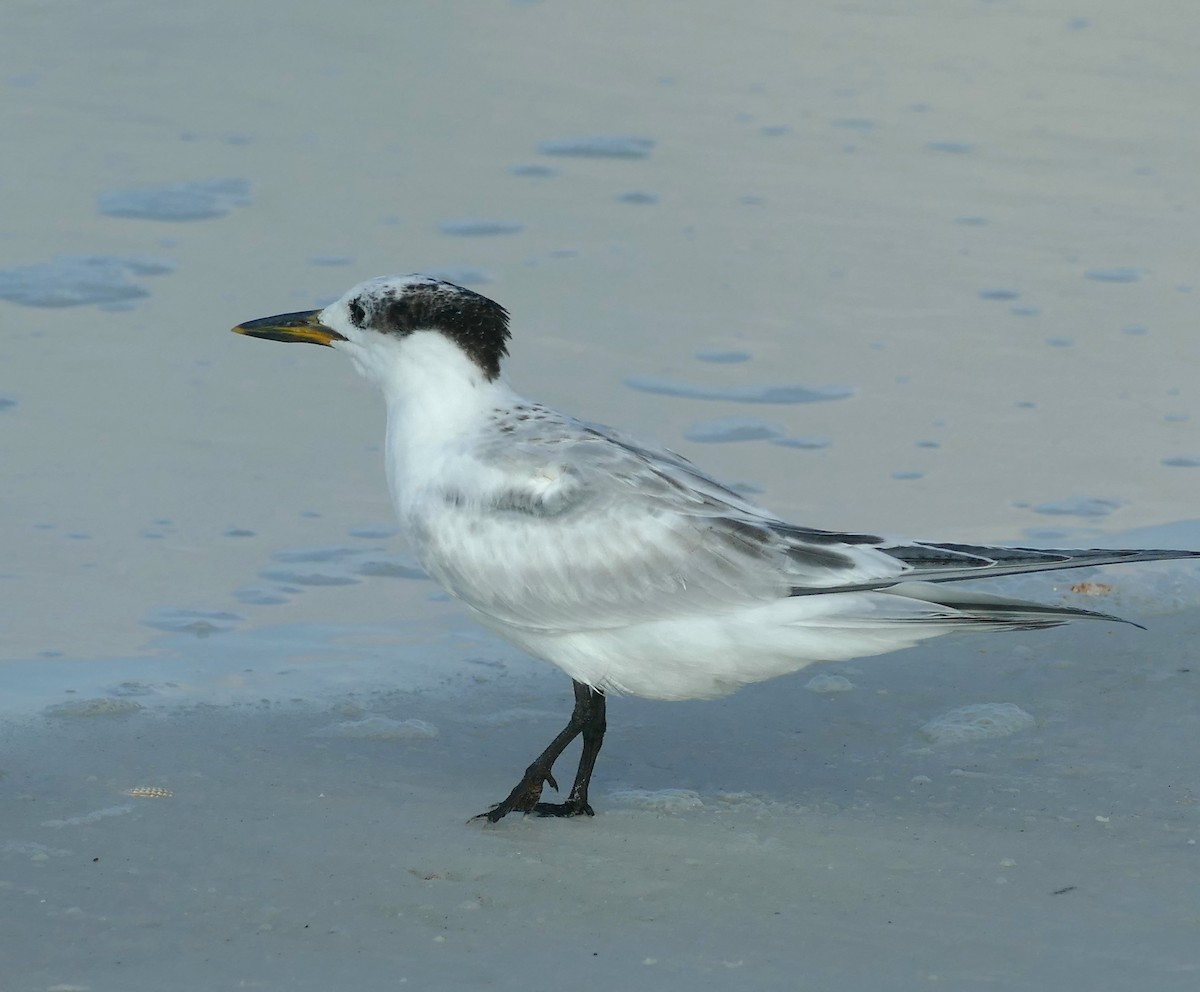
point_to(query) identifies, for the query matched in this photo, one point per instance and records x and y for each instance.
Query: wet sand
(925, 270)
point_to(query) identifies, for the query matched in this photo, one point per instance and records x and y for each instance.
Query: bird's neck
(435, 398)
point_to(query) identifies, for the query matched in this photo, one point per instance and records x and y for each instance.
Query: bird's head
(386, 323)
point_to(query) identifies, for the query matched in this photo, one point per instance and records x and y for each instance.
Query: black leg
(587, 718)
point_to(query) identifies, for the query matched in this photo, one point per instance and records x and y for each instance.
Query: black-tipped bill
(304, 326)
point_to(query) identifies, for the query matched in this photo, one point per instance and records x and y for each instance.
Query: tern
(619, 561)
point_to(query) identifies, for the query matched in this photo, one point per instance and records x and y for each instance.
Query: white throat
(434, 394)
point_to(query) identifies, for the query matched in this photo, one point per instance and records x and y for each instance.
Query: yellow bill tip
(302, 327)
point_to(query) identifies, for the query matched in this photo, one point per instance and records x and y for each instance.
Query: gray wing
(580, 526)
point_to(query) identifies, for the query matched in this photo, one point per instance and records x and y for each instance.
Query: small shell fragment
(1092, 588)
(148, 792)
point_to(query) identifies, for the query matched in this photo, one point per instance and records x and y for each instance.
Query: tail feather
(955, 562)
(997, 611)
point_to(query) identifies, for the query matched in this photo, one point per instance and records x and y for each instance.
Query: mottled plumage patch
(476, 324)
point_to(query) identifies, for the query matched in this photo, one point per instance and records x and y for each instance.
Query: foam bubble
(979, 721)
(829, 683)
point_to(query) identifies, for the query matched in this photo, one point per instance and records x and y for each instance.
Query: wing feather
(579, 527)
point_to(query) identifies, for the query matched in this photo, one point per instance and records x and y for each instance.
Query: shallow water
(942, 265)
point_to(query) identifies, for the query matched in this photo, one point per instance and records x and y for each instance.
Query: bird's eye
(357, 314)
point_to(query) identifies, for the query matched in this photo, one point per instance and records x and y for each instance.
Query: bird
(617, 560)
